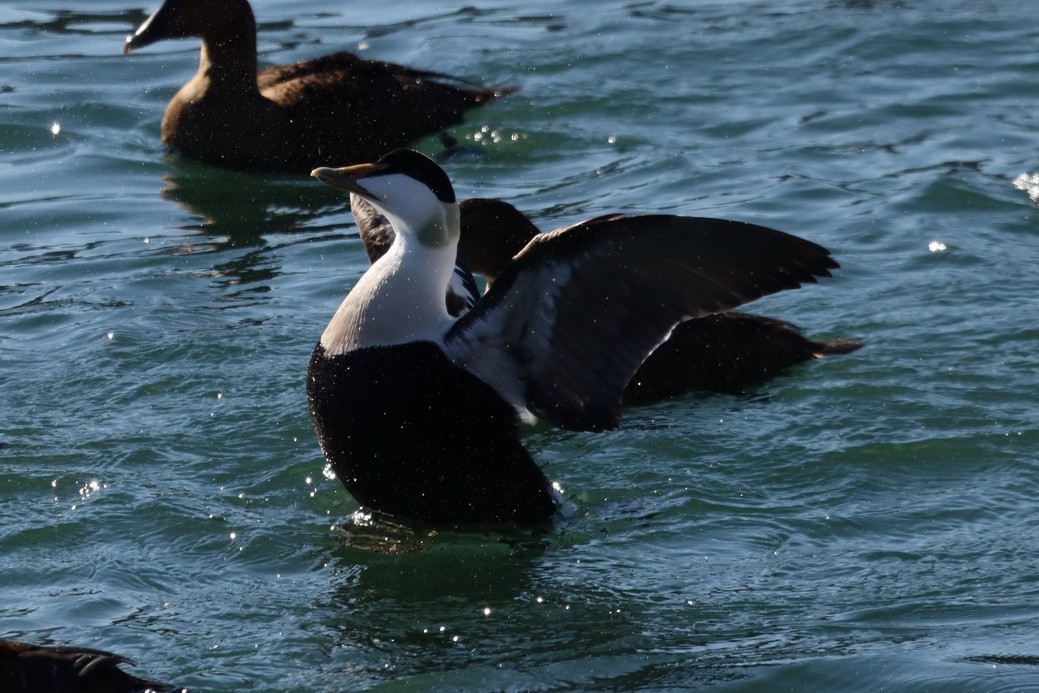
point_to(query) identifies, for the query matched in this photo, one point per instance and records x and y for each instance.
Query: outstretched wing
(579, 309)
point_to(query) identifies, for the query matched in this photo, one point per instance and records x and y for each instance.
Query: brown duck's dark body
(725, 352)
(411, 434)
(337, 108)
(28, 668)
(293, 117)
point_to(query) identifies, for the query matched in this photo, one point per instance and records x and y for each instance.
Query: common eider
(29, 668)
(722, 352)
(418, 412)
(293, 117)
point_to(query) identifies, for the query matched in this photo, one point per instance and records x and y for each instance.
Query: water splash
(1029, 182)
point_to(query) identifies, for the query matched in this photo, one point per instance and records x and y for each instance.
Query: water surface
(864, 523)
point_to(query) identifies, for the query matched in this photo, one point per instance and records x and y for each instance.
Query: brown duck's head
(210, 20)
(492, 233)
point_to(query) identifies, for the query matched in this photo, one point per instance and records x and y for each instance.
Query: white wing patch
(523, 320)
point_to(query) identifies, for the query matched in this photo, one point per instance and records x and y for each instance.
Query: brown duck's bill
(132, 42)
(157, 27)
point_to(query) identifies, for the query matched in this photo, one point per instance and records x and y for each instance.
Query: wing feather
(570, 320)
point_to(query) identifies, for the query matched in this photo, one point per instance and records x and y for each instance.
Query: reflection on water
(390, 616)
(72, 22)
(245, 206)
(376, 532)
(239, 213)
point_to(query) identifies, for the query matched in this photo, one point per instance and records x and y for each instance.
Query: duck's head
(210, 20)
(412, 191)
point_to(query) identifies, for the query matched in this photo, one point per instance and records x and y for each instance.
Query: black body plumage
(411, 434)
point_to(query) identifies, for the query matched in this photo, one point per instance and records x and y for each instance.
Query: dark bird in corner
(418, 412)
(28, 668)
(293, 117)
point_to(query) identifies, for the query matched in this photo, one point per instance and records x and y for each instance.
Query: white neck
(400, 298)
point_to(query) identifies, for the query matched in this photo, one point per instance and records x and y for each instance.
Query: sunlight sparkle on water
(55, 128)
(90, 488)
(936, 246)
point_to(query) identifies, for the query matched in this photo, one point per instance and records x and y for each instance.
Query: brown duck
(28, 668)
(293, 117)
(722, 352)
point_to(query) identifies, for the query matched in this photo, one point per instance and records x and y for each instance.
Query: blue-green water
(865, 523)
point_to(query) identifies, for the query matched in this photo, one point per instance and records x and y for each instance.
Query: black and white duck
(418, 411)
